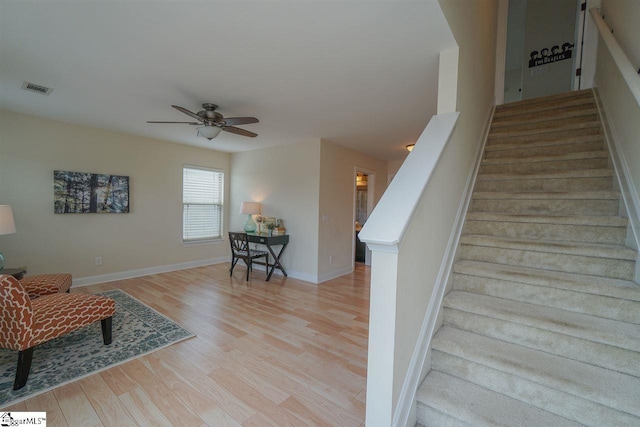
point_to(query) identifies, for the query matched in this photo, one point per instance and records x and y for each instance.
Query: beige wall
(337, 196)
(300, 183)
(623, 17)
(621, 108)
(425, 243)
(149, 236)
(286, 180)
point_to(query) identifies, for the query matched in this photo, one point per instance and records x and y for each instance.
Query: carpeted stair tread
(579, 110)
(601, 154)
(577, 180)
(596, 221)
(528, 107)
(599, 286)
(550, 100)
(558, 123)
(571, 257)
(536, 105)
(576, 390)
(624, 335)
(576, 228)
(587, 139)
(603, 306)
(468, 403)
(569, 248)
(596, 203)
(589, 173)
(548, 195)
(550, 163)
(550, 129)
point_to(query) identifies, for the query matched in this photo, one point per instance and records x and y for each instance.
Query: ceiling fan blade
(188, 113)
(189, 123)
(233, 121)
(239, 131)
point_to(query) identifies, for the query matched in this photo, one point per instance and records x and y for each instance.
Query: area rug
(137, 330)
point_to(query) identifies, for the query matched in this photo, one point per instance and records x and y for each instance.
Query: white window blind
(202, 199)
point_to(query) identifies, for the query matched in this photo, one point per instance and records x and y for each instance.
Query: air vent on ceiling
(37, 88)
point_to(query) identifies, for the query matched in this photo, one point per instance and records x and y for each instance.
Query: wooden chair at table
(240, 250)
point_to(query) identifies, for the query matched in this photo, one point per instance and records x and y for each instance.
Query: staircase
(542, 326)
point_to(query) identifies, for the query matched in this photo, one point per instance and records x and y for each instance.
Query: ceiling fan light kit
(209, 131)
(213, 122)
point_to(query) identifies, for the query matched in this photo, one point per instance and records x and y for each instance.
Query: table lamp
(7, 226)
(250, 208)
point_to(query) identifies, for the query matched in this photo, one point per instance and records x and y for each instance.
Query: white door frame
(371, 184)
(584, 49)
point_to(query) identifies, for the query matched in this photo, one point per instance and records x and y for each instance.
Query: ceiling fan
(212, 122)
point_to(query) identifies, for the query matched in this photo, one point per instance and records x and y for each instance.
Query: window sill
(202, 242)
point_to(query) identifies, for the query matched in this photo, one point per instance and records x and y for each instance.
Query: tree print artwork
(79, 192)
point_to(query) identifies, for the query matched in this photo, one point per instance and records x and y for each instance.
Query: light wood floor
(277, 353)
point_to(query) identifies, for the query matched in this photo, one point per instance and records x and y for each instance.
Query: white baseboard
(92, 280)
(292, 273)
(334, 274)
(405, 409)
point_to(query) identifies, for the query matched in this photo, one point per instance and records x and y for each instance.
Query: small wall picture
(80, 192)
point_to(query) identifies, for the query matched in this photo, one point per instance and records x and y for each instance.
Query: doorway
(542, 51)
(363, 205)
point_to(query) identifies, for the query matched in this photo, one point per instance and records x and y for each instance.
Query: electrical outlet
(330, 259)
(98, 260)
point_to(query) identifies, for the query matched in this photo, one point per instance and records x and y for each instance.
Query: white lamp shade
(250, 208)
(7, 225)
(209, 132)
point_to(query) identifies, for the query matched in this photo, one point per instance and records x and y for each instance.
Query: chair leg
(234, 260)
(106, 330)
(24, 366)
(248, 269)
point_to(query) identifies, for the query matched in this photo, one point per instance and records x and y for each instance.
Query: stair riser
(546, 150)
(528, 128)
(543, 116)
(574, 233)
(550, 166)
(436, 418)
(555, 401)
(546, 207)
(569, 184)
(603, 267)
(549, 296)
(594, 353)
(587, 285)
(549, 138)
(532, 106)
(508, 134)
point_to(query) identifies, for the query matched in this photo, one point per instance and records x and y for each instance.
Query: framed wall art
(80, 192)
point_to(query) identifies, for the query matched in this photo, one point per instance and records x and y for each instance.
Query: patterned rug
(137, 330)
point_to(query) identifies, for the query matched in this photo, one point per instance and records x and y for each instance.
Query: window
(202, 199)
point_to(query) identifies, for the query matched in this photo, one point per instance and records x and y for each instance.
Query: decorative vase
(249, 225)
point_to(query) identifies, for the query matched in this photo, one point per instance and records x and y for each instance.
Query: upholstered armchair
(25, 323)
(46, 284)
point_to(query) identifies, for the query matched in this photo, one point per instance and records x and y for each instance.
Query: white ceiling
(360, 73)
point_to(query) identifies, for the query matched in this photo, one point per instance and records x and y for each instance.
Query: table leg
(276, 261)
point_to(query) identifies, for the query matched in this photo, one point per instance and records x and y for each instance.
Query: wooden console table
(270, 242)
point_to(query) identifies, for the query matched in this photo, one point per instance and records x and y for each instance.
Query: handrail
(628, 71)
(389, 220)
